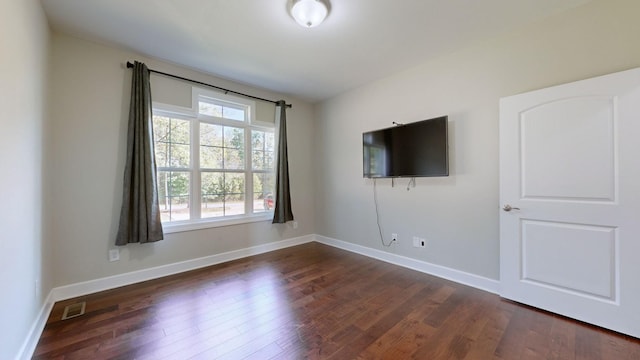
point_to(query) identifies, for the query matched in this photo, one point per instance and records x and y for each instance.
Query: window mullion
(248, 181)
(196, 189)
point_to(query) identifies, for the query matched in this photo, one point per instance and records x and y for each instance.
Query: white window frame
(251, 123)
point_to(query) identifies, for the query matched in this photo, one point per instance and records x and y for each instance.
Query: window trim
(200, 224)
(251, 123)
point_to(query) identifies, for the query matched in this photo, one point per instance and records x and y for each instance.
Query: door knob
(508, 208)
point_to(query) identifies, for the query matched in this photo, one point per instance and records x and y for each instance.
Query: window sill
(209, 223)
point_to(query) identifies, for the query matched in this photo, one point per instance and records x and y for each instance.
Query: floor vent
(73, 310)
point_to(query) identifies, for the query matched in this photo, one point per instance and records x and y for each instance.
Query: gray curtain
(282, 212)
(140, 214)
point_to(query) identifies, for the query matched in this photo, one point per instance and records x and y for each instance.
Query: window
(215, 162)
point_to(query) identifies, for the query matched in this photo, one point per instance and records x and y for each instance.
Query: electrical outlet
(394, 238)
(37, 288)
(114, 255)
(419, 242)
(295, 224)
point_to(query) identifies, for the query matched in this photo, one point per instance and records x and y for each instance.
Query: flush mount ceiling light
(309, 13)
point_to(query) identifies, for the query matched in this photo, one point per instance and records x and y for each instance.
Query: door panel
(590, 272)
(570, 171)
(583, 171)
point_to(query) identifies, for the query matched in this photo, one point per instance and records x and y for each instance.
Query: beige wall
(458, 215)
(24, 269)
(90, 100)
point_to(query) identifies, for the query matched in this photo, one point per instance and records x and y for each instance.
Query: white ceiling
(257, 42)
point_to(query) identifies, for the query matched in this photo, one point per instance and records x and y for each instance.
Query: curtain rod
(130, 65)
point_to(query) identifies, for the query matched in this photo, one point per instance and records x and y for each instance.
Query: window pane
(262, 140)
(180, 131)
(234, 148)
(173, 193)
(263, 188)
(270, 140)
(172, 142)
(160, 127)
(179, 155)
(257, 160)
(233, 137)
(233, 159)
(209, 109)
(226, 111)
(257, 140)
(162, 154)
(262, 156)
(234, 194)
(210, 157)
(262, 160)
(211, 141)
(211, 134)
(269, 160)
(212, 184)
(234, 204)
(222, 194)
(233, 113)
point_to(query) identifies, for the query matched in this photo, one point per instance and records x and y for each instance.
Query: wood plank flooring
(316, 302)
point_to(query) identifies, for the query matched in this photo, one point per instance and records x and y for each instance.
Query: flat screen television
(412, 150)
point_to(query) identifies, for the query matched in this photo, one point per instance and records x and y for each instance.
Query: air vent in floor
(73, 310)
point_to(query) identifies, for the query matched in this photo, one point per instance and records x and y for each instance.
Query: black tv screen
(412, 150)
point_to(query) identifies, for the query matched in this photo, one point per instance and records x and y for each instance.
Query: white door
(570, 193)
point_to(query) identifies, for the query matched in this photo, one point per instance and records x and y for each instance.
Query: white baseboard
(29, 345)
(111, 282)
(458, 276)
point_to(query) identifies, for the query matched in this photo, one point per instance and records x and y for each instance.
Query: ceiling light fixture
(309, 13)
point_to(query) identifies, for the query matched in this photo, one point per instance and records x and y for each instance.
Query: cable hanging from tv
(375, 201)
(410, 184)
(412, 181)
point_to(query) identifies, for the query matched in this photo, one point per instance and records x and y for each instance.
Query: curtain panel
(282, 211)
(140, 213)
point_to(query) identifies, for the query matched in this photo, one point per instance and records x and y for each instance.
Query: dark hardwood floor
(316, 302)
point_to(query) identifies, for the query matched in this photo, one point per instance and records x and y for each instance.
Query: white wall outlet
(422, 242)
(394, 238)
(416, 241)
(114, 255)
(294, 224)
